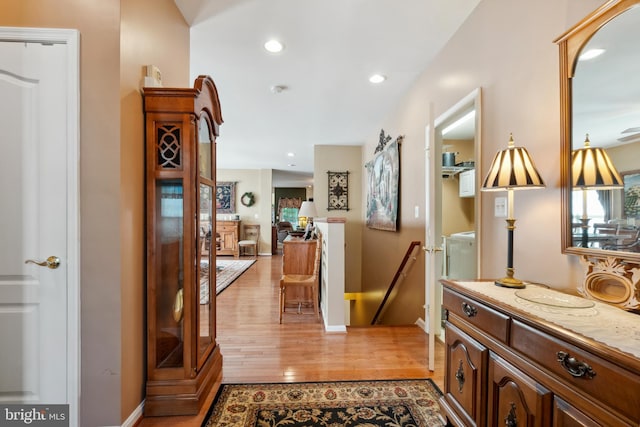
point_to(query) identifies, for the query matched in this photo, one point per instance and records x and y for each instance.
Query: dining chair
(250, 239)
(308, 281)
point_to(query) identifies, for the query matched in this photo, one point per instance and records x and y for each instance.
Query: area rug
(226, 272)
(397, 403)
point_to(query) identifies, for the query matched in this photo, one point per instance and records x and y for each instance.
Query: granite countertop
(596, 320)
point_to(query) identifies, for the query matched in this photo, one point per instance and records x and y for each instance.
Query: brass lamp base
(510, 282)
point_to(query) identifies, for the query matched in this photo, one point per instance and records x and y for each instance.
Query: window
(290, 215)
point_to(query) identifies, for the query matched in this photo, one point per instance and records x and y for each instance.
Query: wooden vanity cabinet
(183, 357)
(505, 366)
(227, 237)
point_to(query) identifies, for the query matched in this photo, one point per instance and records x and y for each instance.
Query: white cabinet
(467, 183)
(332, 273)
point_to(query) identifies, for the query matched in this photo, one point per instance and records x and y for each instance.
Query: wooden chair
(251, 238)
(309, 282)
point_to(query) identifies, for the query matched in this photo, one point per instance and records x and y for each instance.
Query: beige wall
(342, 159)
(100, 186)
(257, 181)
(152, 32)
(110, 145)
(507, 49)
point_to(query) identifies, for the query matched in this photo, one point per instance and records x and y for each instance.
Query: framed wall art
(383, 185)
(338, 191)
(631, 195)
(225, 197)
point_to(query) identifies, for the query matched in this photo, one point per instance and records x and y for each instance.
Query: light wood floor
(255, 348)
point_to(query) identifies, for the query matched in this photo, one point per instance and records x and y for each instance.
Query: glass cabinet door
(169, 274)
(207, 267)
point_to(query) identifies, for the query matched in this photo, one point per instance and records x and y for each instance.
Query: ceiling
(331, 49)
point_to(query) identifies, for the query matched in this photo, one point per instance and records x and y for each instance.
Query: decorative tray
(553, 298)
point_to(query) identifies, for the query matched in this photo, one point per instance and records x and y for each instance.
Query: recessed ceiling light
(279, 88)
(590, 54)
(377, 78)
(291, 165)
(273, 46)
(290, 154)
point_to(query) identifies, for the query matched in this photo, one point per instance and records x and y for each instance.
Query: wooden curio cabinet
(183, 358)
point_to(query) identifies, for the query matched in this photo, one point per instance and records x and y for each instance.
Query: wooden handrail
(406, 258)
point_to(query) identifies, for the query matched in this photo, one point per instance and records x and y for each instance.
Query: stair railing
(399, 273)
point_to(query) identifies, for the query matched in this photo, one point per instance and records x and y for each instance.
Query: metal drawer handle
(574, 367)
(460, 376)
(469, 310)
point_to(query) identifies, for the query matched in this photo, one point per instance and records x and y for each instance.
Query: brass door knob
(52, 262)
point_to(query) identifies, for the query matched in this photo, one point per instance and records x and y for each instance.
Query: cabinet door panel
(465, 379)
(515, 399)
(565, 415)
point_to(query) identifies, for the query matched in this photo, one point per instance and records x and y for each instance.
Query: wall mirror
(600, 97)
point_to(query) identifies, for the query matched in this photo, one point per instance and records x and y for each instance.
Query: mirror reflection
(605, 202)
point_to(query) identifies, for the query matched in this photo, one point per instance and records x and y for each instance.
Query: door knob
(432, 249)
(52, 262)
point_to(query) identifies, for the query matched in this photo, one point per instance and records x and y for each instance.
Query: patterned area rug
(226, 272)
(398, 403)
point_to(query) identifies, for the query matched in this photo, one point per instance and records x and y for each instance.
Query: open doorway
(453, 202)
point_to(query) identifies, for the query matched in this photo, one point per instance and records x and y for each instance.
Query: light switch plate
(500, 207)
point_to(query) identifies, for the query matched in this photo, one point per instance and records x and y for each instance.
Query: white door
(432, 247)
(39, 217)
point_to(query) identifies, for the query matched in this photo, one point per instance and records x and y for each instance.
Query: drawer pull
(469, 310)
(460, 377)
(511, 420)
(574, 367)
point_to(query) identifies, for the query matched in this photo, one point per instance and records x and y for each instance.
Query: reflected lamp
(591, 168)
(511, 169)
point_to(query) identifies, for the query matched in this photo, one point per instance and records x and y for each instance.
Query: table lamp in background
(592, 169)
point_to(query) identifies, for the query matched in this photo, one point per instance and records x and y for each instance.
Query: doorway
(39, 266)
(452, 169)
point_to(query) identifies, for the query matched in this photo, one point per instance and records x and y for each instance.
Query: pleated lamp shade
(512, 169)
(591, 167)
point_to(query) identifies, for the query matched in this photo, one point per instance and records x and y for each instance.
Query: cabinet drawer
(225, 228)
(608, 383)
(479, 315)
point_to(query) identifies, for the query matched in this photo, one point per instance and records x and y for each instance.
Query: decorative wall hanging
(338, 191)
(383, 185)
(225, 197)
(247, 199)
(631, 199)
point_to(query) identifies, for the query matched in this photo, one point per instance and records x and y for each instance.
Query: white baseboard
(135, 416)
(422, 324)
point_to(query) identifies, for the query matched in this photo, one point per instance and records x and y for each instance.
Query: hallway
(255, 348)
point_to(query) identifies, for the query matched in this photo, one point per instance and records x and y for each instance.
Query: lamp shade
(592, 168)
(512, 169)
(308, 209)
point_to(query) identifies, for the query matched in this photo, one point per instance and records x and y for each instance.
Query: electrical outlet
(500, 207)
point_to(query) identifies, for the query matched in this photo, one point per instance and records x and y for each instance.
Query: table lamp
(591, 168)
(511, 169)
(308, 210)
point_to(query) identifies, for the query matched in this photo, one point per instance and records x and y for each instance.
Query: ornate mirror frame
(610, 276)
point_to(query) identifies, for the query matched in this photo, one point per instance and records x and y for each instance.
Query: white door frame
(433, 182)
(71, 38)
